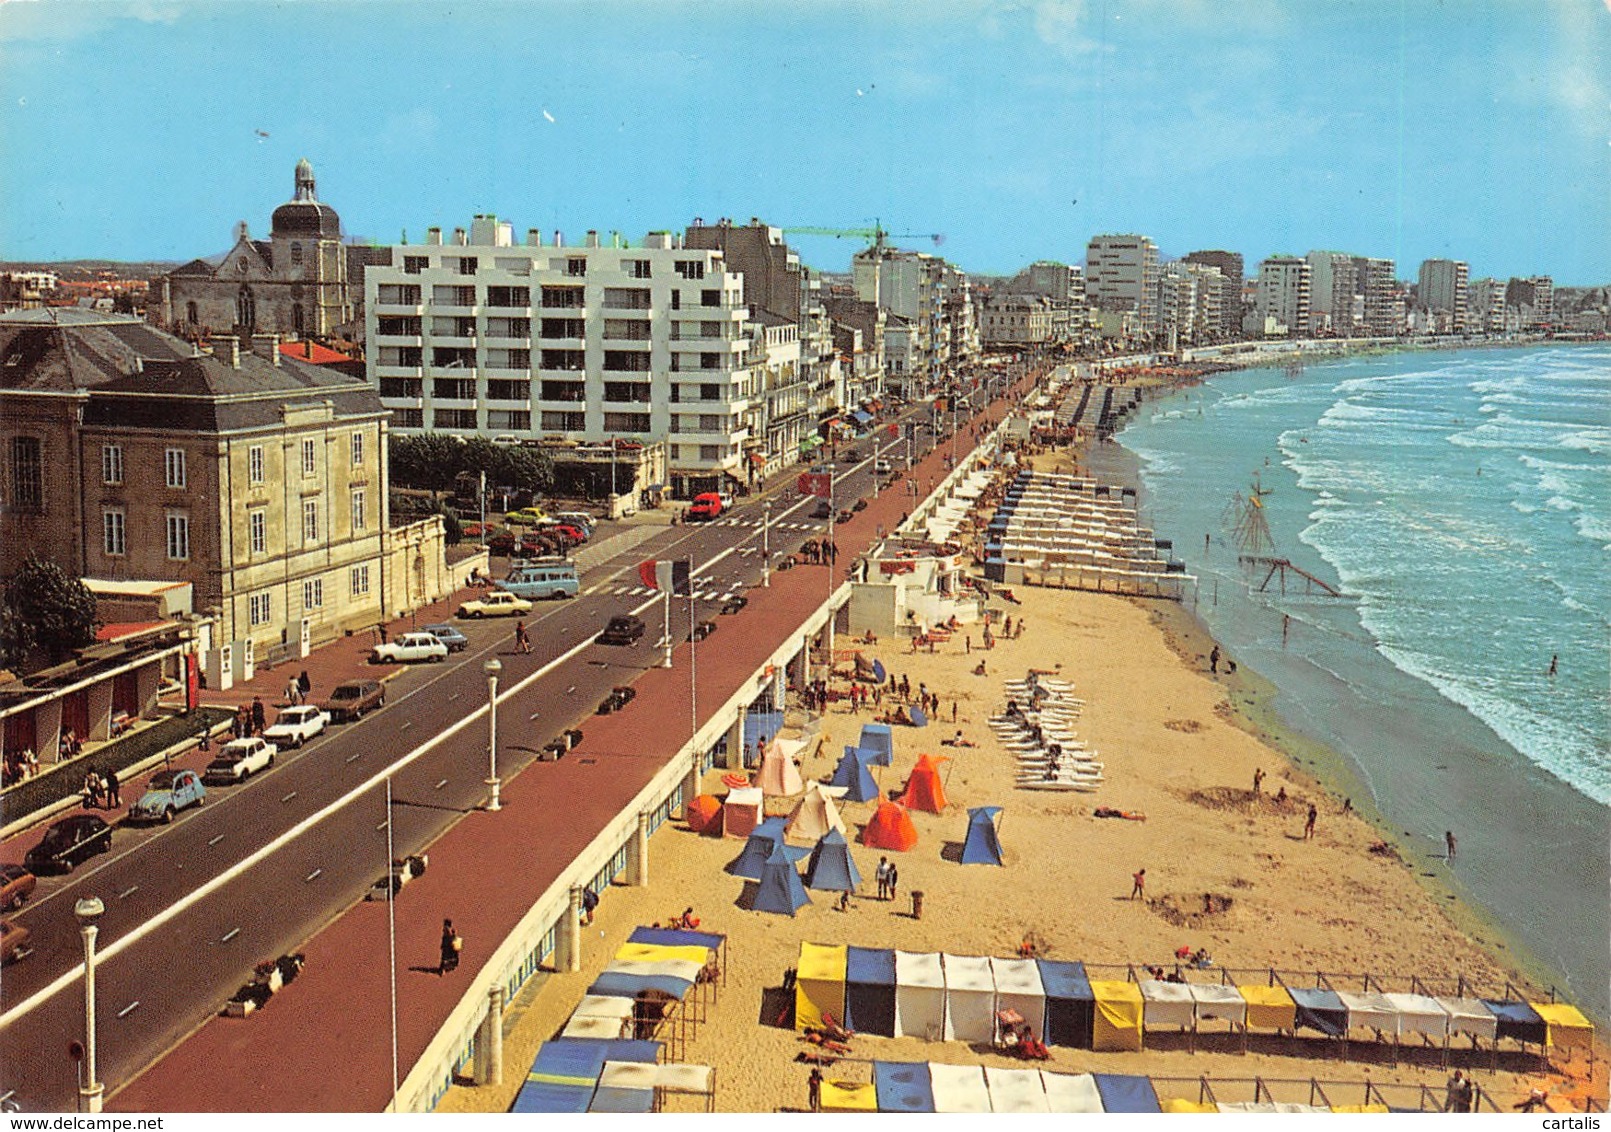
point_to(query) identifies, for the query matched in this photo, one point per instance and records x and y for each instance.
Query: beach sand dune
(1162, 727)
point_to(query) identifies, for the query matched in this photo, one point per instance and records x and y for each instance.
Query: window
(627, 361)
(559, 296)
(514, 358)
(508, 296)
(399, 325)
(453, 388)
(254, 464)
(564, 359)
(310, 520)
(360, 513)
(178, 537)
(564, 422)
(192, 315)
(409, 418)
(454, 418)
(710, 298)
(710, 361)
(111, 463)
(564, 391)
(403, 294)
(636, 329)
(310, 457)
(691, 268)
(627, 298)
(174, 464)
(576, 266)
(626, 422)
(627, 391)
(401, 387)
(313, 593)
(637, 268)
(709, 452)
(508, 390)
(510, 420)
(296, 255)
(112, 531)
(467, 266)
(358, 580)
(563, 328)
(257, 530)
(357, 449)
(261, 609)
(415, 264)
(676, 300)
(453, 357)
(448, 296)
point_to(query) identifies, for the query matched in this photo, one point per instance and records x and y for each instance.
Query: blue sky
(1471, 129)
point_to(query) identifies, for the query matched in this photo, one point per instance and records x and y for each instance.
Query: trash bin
(917, 905)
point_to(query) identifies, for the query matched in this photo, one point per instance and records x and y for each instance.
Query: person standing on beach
(1309, 823)
(1213, 659)
(894, 880)
(814, 1089)
(882, 876)
(1448, 841)
(1138, 890)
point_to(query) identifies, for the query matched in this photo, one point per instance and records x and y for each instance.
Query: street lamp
(492, 667)
(88, 910)
(766, 543)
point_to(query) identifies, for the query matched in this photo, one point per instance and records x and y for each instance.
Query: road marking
(405, 725)
(229, 935)
(454, 696)
(314, 875)
(534, 715)
(382, 826)
(129, 1009)
(288, 797)
(130, 891)
(441, 784)
(215, 840)
(359, 755)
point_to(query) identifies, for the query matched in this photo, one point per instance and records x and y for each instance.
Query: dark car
(702, 630)
(622, 630)
(449, 636)
(349, 701)
(822, 511)
(16, 885)
(69, 843)
(618, 698)
(734, 604)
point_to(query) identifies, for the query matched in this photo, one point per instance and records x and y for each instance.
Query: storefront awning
(758, 458)
(861, 417)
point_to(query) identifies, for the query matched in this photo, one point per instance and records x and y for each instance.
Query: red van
(705, 507)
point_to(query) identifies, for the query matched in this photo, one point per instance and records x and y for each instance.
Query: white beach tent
(1470, 1016)
(1167, 1004)
(1018, 987)
(1071, 1092)
(1216, 1000)
(600, 1016)
(919, 995)
(1370, 1010)
(815, 814)
(970, 999)
(959, 1088)
(1420, 1014)
(1016, 1090)
(779, 776)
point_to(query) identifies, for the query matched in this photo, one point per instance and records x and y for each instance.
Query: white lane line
(288, 797)
(129, 1009)
(128, 892)
(229, 935)
(215, 841)
(314, 875)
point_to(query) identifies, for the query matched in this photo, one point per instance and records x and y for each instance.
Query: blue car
(449, 636)
(170, 791)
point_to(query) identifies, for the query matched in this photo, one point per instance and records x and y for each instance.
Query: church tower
(309, 263)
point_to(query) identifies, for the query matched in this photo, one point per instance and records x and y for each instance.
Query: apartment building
(1121, 275)
(1282, 301)
(1441, 287)
(1230, 267)
(480, 335)
(1189, 296)
(1530, 303)
(1486, 305)
(1332, 290)
(933, 301)
(1012, 322)
(1382, 301)
(130, 455)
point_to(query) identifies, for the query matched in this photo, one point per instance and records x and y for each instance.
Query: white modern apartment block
(1283, 294)
(1442, 288)
(1121, 274)
(1486, 305)
(1383, 308)
(1331, 293)
(1189, 302)
(483, 336)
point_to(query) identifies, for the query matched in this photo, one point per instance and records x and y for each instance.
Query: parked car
(169, 792)
(295, 726)
(735, 603)
(546, 579)
(496, 604)
(622, 630)
(449, 636)
(68, 843)
(502, 543)
(239, 760)
(410, 648)
(579, 519)
(526, 516)
(352, 699)
(822, 510)
(882, 466)
(705, 507)
(618, 698)
(702, 630)
(13, 941)
(16, 885)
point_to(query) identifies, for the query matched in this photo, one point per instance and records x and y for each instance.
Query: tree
(529, 468)
(429, 461)
(45, 608)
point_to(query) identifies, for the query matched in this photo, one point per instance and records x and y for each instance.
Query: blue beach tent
(1320, 1009)
(781, 891)
(1517, 1020)
(852, 773)
(903, 1086)
(870, 995)
(877, 738)
(1070, 1003)
(562, 1076)
(1124, 1093)
(878, 671)
(831, 868)
(982, 846)
(758, 847)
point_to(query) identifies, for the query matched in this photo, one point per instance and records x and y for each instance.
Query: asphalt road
(190, 908)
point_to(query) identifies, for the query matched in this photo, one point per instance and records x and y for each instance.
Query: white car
(238, 761)
(410, 648)
(496, 604)
(295, 726)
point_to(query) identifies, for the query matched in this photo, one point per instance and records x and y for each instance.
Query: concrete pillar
(690, 784)
(148, 678)
(48, 732)
(571, 935)
(489, 1043)
(805, 661)
(735, 740)
(100, 710)
(640, 851)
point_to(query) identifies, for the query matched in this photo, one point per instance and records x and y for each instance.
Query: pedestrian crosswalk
(624, 590)
(756, 524)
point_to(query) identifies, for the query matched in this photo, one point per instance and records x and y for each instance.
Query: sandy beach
(1175, 749)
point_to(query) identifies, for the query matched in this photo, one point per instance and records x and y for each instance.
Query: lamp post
(492, 668)
(89, 910)
(766, 543)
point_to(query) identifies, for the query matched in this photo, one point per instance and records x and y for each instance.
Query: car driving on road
(295, 726)
(622, 630)
(169, 792)
(410, 648)
(238, 761)
(13, 941)
(16, 885)
(68, 843)
(352, 699)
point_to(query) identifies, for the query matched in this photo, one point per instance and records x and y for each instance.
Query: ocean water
(1458, 502)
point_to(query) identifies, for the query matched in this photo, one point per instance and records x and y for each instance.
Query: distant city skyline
(1478, 131)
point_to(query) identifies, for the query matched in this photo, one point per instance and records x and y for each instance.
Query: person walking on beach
(1258, 781)
(882, 876)
(1448, 841)
(452, 944)
(1309, 823)
(1138, 890)
(814, 1089)
(1213, 659)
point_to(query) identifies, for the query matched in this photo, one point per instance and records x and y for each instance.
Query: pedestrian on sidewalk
(452, 944)
(113, 798)
(259, 716)
(293, 692)
(304, 685)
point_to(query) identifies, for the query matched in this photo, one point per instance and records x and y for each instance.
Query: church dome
(304, 215)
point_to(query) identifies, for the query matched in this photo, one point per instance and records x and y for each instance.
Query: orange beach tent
(704, 814)
(923, 789)
(891, 828)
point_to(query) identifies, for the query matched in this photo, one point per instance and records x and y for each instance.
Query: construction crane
(877, 234)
